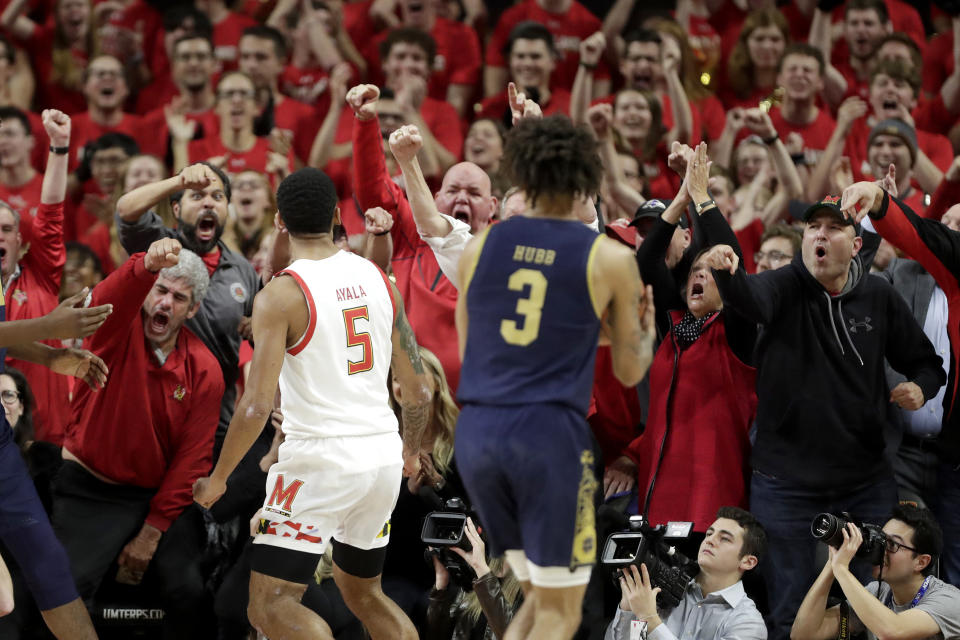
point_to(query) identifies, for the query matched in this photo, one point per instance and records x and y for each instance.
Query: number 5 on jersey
(358, 339)
(530, 308)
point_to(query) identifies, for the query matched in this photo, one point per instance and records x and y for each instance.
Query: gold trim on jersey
(584, 552)
(591, 259)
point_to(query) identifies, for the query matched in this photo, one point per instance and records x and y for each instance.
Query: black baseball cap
(831, 204)
(650, 211)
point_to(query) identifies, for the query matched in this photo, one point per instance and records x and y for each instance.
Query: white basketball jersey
(334, 380)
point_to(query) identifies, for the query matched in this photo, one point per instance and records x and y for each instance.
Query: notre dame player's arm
(416, 395)
(630, 326)
(280, 316)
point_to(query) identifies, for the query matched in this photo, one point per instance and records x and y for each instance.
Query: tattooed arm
(415, 394)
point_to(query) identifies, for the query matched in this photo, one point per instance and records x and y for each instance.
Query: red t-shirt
(358, 23)
(568, 30)
(310, 86)
(159, 92)
(458, 59)
(208, 124)
(25, 200)
(85, 130)
(937, 61)
(50, 94)
(749, 240)
(97, 238)
(495, 106)
(41, 143)
(254, 159)
(713, 117)
(226, 38)
(292, 116)
(815, 135)
(903, 17)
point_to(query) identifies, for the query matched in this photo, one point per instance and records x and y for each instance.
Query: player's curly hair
(307, 202)
(552, 158)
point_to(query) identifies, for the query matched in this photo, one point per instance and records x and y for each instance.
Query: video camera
(641, 543)
(443, 530)
(828, 528)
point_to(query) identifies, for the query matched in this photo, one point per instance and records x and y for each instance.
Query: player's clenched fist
(405, 142)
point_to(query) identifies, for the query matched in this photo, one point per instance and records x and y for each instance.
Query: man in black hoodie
(822, 394)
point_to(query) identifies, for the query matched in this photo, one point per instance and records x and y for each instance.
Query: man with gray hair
(133, 451)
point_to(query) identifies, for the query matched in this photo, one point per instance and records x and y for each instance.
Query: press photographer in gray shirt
(909, 602)
(714, 605)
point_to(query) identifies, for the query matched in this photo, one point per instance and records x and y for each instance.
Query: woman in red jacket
(693, 455)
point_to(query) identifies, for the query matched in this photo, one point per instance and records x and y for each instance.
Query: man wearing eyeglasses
(778, 245)
(906, 600)
(105, 88)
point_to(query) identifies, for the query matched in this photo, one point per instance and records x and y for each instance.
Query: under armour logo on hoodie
(854, 325)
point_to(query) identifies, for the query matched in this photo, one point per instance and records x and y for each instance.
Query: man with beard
(134, 450)
(200, 195)
(464, 196)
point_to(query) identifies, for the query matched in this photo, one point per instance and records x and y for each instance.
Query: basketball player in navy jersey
(534, 289)
(24, 526)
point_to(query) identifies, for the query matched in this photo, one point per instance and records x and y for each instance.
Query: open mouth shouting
(207, 224)
(461, 212)
(696, 291)
(820, 252)
(159, 322)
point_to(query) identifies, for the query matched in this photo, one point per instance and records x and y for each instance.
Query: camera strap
(844, 633)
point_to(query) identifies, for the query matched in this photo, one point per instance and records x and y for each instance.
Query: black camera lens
(828, 528)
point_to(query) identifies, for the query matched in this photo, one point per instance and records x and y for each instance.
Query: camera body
(443, 530)
(644, 544)
(828, 528)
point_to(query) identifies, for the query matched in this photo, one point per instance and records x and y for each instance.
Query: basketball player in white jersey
(328, 329)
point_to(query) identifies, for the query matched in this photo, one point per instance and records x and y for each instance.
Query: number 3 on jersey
(358, 339)
(530, 307)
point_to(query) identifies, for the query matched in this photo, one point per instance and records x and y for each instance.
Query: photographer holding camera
(454, 614)
(714, 604)
(910, 602)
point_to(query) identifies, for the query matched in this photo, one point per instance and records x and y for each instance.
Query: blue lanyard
(922, 590)
(916, 599)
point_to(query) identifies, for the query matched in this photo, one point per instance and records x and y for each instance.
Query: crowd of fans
(812, 388)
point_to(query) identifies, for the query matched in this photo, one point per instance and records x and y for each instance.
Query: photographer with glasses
(906, 600)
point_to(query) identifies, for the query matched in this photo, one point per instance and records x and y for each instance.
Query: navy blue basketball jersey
(532, 324)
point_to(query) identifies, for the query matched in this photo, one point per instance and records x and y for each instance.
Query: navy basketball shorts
(528, 471)
(26, 530)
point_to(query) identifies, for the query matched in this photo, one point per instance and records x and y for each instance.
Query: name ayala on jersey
(351, 293)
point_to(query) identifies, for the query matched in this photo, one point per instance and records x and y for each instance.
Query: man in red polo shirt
(134, 449)
(429, 296)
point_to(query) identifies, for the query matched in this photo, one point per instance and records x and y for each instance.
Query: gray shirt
(728, 614)
(941, 601)
(229, 298)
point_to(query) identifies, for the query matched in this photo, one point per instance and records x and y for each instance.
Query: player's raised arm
(416, 397)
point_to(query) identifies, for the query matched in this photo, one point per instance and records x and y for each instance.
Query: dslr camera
(641, 543)
(443, 530)
(828, 528)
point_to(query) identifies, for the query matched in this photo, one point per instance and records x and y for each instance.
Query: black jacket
(820, 385)
(937, 248)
